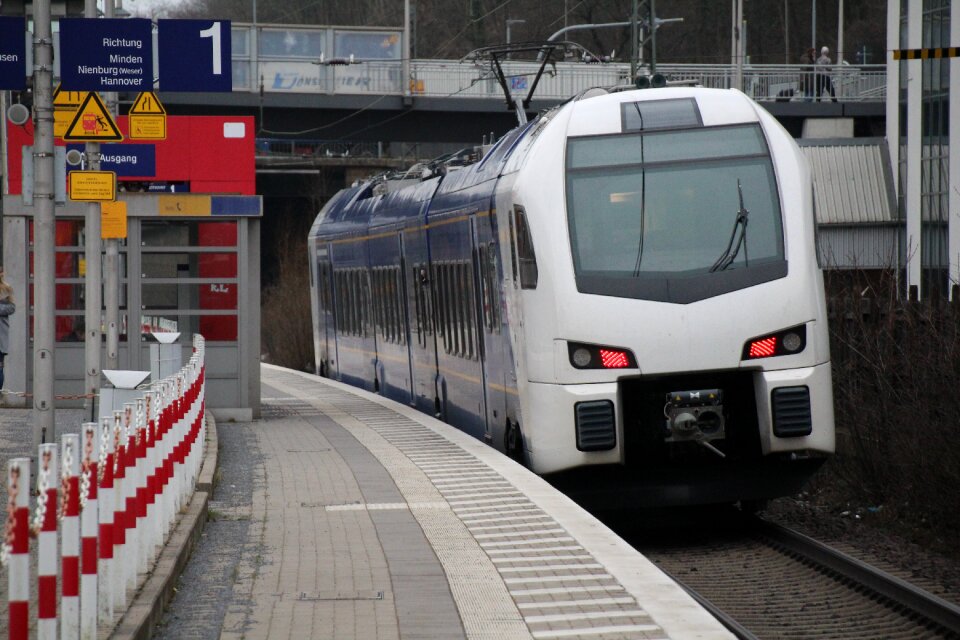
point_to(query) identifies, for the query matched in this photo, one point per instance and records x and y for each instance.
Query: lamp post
(510, 23)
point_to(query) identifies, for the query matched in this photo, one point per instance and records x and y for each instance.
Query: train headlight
(581, 357)
(590, 356)
(782, 343)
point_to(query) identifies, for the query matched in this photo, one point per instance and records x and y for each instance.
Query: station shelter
(190, 261)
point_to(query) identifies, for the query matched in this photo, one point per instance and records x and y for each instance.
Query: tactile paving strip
(557, 585)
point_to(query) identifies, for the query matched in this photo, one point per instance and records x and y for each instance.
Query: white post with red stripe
(16, 548)
(107, 504)
(154, 531)
(45, 523)
(70, 539)
(88, 530)
(118, 579)
(131, 481)
(140, 423)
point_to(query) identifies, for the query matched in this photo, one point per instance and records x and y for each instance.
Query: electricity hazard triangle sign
(93, 122)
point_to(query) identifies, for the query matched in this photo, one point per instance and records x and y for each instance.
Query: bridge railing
(454, 79)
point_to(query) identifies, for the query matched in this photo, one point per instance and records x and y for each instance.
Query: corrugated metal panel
(862, 247)
(852, 180)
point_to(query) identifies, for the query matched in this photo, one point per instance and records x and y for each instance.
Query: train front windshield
(676, 215)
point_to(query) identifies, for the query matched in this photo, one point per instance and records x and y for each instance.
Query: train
(623, 293)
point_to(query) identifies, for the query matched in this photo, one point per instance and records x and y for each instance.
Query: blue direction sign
(106, 54)
(126, 160)
(194, 55)
(13, 53)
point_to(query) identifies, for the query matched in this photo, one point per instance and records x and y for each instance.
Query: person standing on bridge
(824, 83)
(7, 307)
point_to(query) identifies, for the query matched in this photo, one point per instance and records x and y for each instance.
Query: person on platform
(7, 307)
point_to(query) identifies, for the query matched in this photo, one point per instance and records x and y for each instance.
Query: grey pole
(111, 281)
(93, 295)
(44, 230)
(653, 36)
(406, 50)
(633, 43)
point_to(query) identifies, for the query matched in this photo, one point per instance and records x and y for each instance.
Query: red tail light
(611, 359)
(763, 348)
(591, 356)
(782, 343)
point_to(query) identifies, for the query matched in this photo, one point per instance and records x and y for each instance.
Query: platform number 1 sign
(194, 55)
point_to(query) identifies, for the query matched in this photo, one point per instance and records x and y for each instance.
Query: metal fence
(454, 79)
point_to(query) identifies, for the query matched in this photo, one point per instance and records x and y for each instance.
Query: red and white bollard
(70, 538)
(140, 423)
(16, 547)
(88, 530)
(45, 523)
(131, 481)
(118, 578)
(106, 507)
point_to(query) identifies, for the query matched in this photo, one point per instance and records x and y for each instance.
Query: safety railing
(455, 79)
(112, 496)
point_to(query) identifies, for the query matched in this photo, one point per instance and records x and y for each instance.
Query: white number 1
(214, 32)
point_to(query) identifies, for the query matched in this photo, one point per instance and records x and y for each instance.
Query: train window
(513, 250)
(664, 217)
(420, 315)
(526, 258)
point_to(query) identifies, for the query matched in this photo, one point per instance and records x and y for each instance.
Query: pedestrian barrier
(114, 491)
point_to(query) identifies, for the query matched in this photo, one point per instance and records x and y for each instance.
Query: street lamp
(511, 22)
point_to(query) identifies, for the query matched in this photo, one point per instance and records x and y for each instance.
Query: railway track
(765, 581)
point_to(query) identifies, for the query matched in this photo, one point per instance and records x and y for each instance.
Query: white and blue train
(623, 294)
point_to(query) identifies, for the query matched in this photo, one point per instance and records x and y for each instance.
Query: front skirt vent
(596, 425)
(791, 412)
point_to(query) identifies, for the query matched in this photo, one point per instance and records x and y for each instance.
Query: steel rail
(737, 629)
(923, 603)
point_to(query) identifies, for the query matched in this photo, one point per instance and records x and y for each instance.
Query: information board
(13, 53)
(194, 55)
(106, 54)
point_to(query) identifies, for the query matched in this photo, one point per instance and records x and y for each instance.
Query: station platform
(369, 519)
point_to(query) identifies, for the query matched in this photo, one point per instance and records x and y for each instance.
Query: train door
(403, 286)
(478, 320)
(326, 349)
(489, 297)
(420, 319)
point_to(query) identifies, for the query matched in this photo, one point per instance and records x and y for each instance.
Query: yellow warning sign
(93, 186)
(93, 122)
(148, 118)
(65, 105)
(113, 220)
(147, 103)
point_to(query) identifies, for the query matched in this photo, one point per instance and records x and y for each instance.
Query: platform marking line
(550, 558)
(514, 521)
(515, 526)
(595, 631)
(518, 543)
(551, 567)
(519, 534)
(614, 590)
(587, 615)
(486, 509)
(490, 516)
(574, 577)
(557, 604)
(503, 552)
(515, 498)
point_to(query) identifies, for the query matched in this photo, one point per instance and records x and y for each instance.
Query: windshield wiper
(643, 198)
(733, 245)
